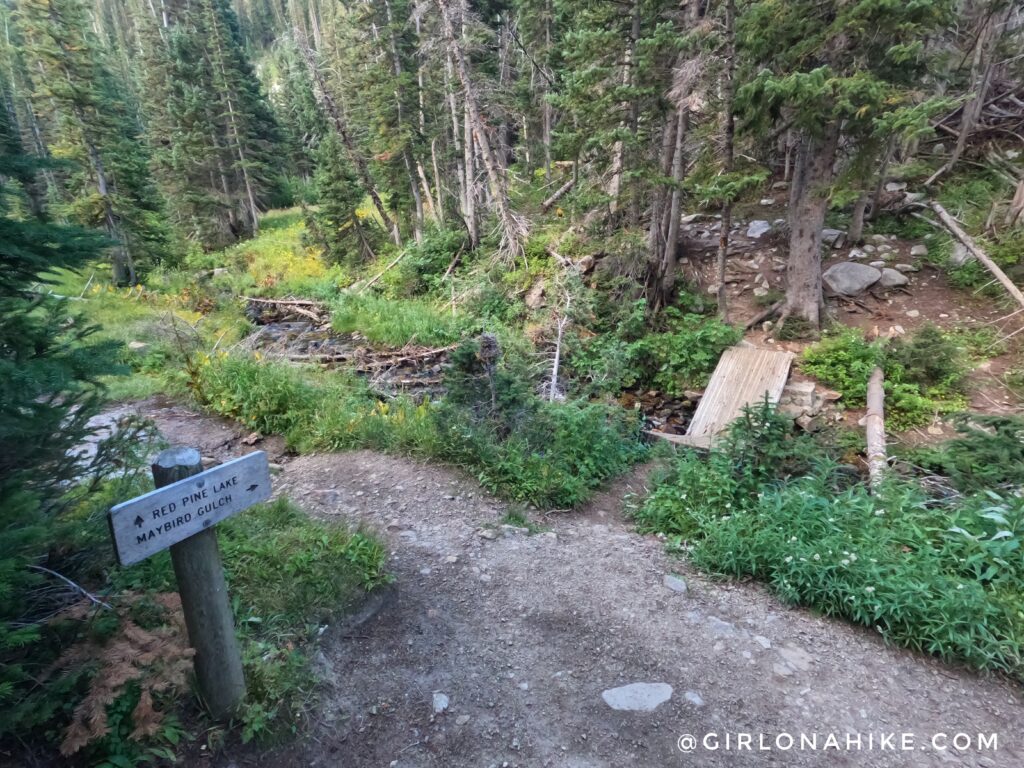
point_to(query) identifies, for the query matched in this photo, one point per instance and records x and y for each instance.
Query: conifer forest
(636, 380)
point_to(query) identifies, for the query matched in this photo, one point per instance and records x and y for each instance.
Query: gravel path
(495, 645)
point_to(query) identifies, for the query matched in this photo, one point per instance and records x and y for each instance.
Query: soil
(522, 632)
(927, 298)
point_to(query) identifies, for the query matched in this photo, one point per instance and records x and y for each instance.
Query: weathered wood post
(204, 598)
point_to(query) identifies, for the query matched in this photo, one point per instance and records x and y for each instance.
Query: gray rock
(757, 228)
(761, 291)
(138, 346)
(462, 719)
(857, 253)
(908, 268)
(850, 278)
(694, 698)
(914, 197)
(637, 697)
(868, 248)
(674, 583)
(876, 264)
(767, 201)
(892, 278)
(895, 186)
(960, 255)
(913, 313)
(919, 250)
(439, 703)
(833, 237)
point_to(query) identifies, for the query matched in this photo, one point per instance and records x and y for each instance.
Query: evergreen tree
(48, 368)
(831, 71)
(335, 223)
(92, 128)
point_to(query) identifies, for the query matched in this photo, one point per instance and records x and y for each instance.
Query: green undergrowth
(941, 575)
(287, 575)
(925, 375)
(679, 355)
(552, 454)
(398, 322)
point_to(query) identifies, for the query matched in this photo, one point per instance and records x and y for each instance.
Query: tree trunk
(729, 129)
(808, 203)
(874, 428)
(855, 234)
(670, 261)
(513, 230)
(338, 120)
(876, 198)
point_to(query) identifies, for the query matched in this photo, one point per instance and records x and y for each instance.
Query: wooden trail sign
(181, 514)
(154, 521)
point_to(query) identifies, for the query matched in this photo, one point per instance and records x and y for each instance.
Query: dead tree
(874, 428)
(337, 118)
(513, 228)
(729, 130)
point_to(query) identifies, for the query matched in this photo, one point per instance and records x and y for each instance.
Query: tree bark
(513, 231)
(728, 89)
(808, 203)
(338, 120)
(874, 428)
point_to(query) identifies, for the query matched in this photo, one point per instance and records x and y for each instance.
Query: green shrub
(924, 375)
(550, 454)
(844, 359)
(942, 577)
(930, 359)
(680, 357)
(424, 264)
(988, 453)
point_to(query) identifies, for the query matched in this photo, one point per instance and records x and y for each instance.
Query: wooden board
(147, 524)
(743, 376)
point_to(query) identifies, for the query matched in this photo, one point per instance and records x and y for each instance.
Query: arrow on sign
(252, 488)
(139, 521)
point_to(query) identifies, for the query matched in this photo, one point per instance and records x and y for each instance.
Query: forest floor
(522, 630)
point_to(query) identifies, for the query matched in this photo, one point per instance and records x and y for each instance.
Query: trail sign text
(150, 523)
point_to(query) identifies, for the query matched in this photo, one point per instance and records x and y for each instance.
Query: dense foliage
(940, 575)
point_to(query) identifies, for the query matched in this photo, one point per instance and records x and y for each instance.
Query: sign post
(180, 514)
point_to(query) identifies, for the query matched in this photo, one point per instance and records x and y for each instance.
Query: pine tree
(830, 71)
(48, 367)
(335, 223)
(91, 126)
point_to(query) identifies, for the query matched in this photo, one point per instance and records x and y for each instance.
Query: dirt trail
(522, 634)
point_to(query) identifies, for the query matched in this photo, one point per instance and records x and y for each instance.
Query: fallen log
(559, 193)
(874, 428)
(950, 223)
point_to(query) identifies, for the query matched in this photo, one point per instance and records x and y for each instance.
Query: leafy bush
(929, 358)
(940, 577)
(844, 359)
(924, 375)
(550, 454)
(989, 453)
(680, 357)
(424, 264)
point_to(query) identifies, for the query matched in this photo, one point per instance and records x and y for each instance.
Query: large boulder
(833, 237)
(850, 278)
(960, 255)
(757, 228)
(892, 278)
